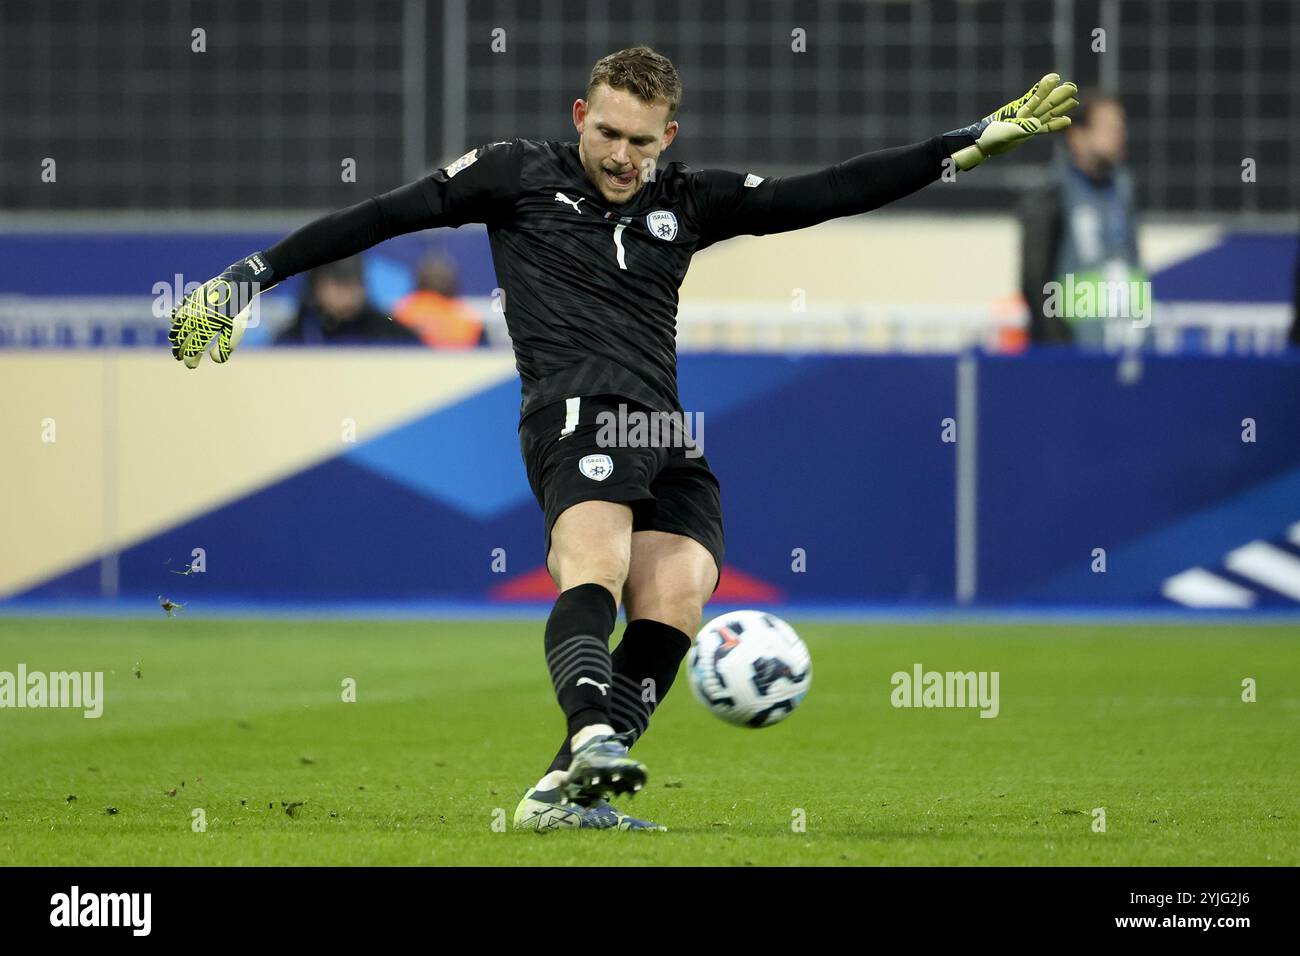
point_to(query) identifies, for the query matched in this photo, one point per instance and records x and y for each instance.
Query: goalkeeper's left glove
(217, 312)
(1041, 110)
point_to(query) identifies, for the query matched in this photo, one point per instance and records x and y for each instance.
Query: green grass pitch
(244, 719)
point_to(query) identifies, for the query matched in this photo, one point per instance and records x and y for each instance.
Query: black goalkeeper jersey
(590, 289)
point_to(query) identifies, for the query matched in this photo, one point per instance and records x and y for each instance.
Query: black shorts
(669, 487)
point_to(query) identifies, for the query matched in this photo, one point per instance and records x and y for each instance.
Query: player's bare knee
(603, 564)
(591, 544)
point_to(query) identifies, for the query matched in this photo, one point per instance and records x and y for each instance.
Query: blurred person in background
(1082, 224)
(336, 311)
(435, 312)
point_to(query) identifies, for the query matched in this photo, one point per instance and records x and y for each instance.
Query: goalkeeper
(591, 242)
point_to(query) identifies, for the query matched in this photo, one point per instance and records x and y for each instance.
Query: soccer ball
(749, 668)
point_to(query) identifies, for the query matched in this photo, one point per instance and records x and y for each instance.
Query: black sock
(645, 665)
(577, 653)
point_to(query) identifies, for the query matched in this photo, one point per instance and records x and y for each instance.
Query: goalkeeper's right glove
(1041, 110)
(216, 313)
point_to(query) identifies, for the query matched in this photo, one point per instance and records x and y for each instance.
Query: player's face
(620, 138)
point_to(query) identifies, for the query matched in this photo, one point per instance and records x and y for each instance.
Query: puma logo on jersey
(560, 197)
(604, 688)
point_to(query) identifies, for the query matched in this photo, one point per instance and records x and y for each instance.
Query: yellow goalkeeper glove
(217, 313)
(1041, 110)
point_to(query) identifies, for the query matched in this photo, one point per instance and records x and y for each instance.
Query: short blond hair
(639, 70)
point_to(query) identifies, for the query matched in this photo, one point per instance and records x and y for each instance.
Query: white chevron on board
(1268, 565)
(1197, 587)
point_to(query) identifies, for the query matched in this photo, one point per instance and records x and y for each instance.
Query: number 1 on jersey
(618, 244)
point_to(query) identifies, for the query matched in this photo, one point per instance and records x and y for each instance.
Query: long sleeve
(736, 204)
(478, 187)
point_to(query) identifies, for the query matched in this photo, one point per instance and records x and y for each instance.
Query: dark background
(287, 89)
